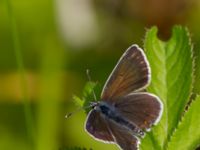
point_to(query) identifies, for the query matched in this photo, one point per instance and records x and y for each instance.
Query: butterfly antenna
(89, 78)
(77, 110)
(74, 112)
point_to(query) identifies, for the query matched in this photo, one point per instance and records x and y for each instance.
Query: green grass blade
(171, 66)
(21, 70)
(187, 135)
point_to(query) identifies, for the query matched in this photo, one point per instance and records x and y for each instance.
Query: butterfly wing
(131, 73)
(123, 137)
(96, 126)
(105, 130)
(143, 109)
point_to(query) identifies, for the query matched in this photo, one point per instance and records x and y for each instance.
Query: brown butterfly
(125, 112)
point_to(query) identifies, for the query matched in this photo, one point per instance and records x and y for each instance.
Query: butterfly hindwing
(131, 73)
(143, 109)
(106, 130)
(123, 137)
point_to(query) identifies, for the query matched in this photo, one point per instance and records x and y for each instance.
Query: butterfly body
(125, 112)
(110, 112)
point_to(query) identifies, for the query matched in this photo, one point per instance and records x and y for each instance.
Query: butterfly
(125, 112)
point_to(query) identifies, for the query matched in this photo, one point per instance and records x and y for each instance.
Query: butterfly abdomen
(109, 112)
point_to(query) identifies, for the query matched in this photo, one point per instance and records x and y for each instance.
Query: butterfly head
(94, 104)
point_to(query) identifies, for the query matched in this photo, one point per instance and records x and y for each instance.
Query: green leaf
(88, 89)
(196, 88)
(87, 96)
(187, 135)
(78, 101)
(171, 66)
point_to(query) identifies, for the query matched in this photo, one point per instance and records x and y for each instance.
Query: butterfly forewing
(142, 109)
(97, 127)
(131, 73)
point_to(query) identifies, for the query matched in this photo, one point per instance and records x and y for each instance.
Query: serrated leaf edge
(191, 87)
(182, 119)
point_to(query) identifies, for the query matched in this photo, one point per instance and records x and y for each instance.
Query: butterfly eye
(93, 104)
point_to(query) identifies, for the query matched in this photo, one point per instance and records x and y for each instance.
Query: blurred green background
(46, 47)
